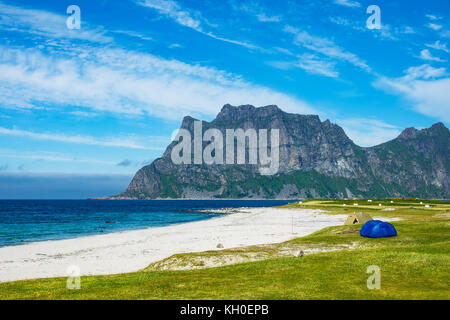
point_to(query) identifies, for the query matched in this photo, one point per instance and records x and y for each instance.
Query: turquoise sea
(23, 221)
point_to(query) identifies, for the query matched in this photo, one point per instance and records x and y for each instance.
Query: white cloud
(104, 79)
(134, 34)
(438, 46)
(262, 17)
(256, 9)
(368, 132)
(87, 140)
(355, 25)
(326, 47)
(175, 45)
(425, 87)
(445, 34)
(239, 43)
(433, 17)
(310, 63)
(126, 82)
(407, 30)
(424, 72)
(387, 32)
(187, 18)
(348, 3)
(314, 65)
(174, 11)
(425, 54)
(434, 26)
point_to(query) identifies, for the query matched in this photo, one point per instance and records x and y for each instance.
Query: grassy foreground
(414, 265)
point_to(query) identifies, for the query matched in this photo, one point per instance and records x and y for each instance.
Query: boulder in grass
(299, 254)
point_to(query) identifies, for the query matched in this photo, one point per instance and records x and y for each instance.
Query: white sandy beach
(133, 250)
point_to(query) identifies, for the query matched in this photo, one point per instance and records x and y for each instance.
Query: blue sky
(106, 99)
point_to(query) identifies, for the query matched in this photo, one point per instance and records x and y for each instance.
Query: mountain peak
(248, 107)
(411, 133)
(229, 107)
(188, 122)
(246, 111)
(408, 133)
(438, 126)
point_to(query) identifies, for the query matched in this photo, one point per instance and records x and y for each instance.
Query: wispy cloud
(263, 17)
(133, 34)
(445, 34)
(425, 54)
(112, 142)
(347, 23)
(239, 43)
(348, 3)
(315, 65)
(433, 22)
(256, 9)
(175, 45)
(426, 87)
(309, 63)
(47, 24)
(407, 30)
(174, 11)
(438, 46)
(188, 18)
(425, 72)
(433, 17)
(434, 26)
(368, 132)
(326, 47)
(126, 82)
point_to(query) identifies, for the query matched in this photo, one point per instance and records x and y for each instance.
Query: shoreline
(193, 199)
(130, 251)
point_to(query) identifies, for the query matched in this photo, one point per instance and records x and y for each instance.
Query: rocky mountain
(316, 159)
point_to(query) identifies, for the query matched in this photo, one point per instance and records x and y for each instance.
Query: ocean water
(24, 221)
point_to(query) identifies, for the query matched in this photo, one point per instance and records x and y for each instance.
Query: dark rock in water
(317, 159)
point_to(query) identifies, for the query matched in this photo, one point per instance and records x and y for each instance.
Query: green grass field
(414, 265)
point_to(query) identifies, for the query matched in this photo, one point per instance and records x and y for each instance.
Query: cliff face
(317, 159)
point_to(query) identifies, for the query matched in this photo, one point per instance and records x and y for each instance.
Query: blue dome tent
(377, 229)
